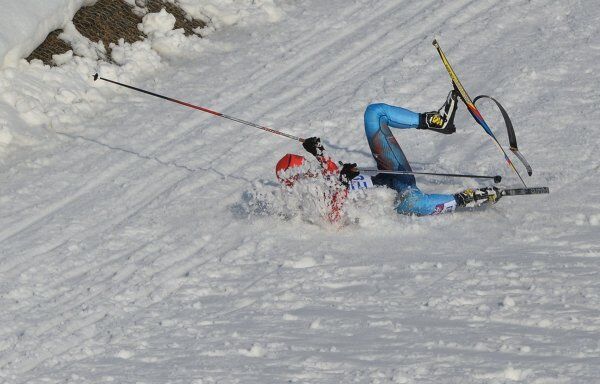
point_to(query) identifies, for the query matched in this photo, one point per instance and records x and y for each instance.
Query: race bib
(361, 182)
(445, 207)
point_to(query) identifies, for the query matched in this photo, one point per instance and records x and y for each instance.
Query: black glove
(313, 146)
(348, 172)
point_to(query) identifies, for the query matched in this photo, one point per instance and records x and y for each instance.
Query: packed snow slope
(132, 249)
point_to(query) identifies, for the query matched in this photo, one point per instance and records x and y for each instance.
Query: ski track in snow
(123, 258)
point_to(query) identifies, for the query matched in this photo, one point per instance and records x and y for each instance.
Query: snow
(163, 38)
(24, 24)
(5, 136)
(223, 13)
(158, 23)
(144, 242)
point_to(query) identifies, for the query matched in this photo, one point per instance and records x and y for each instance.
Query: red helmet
(284, 170)
(289, 168)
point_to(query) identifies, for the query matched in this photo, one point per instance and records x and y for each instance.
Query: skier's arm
(349, 170)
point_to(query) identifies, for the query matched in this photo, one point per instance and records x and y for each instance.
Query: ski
(524, 191)
(472, 108)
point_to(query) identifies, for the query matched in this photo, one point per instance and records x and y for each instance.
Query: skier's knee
(373, 115)
(375, 110)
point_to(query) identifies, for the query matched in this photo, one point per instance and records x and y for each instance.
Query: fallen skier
(394, 171)
(389, 156)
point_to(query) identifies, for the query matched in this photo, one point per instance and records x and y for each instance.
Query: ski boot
(442, 120)
(476, 197)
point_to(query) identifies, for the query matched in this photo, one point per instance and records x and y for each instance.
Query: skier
(389, 156)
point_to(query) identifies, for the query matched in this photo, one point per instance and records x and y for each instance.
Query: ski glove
(313, 146)
(348, 172)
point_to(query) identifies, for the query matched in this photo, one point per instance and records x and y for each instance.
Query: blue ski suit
(388, 155)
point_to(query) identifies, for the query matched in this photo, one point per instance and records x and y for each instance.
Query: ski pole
(219, 114)
(496, 178)
(473, 109)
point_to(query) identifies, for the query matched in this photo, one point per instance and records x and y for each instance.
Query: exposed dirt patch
(108, 20)
(111, 20)
(51, 46)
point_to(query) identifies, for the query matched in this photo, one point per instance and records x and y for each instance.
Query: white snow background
(143, 242)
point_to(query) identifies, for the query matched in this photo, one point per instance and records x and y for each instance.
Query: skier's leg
(415, 202)
(383, 144)
(395, 117)
(389, 155)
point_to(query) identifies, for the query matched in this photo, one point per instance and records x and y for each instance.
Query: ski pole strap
(512, 138)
